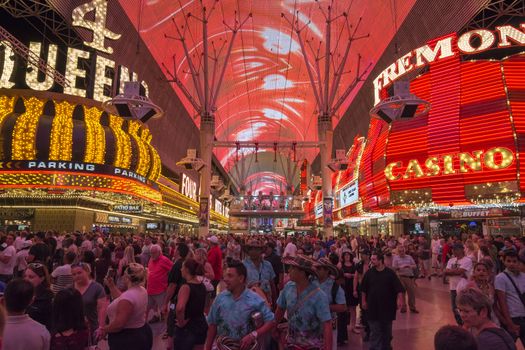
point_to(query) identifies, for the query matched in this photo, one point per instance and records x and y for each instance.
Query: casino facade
(457, 168)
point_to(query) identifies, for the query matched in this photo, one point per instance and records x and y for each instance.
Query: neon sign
(494, 159)
(97, 81)
(188, 187)
(507, 35)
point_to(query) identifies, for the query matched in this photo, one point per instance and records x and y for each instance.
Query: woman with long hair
(70, 331)
(127, 328)
(40, 309)
(93, 296)
(191, 324)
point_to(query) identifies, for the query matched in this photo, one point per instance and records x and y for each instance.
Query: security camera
(403, 105)
(133, 105)
(317, 183)
(339, 162)
(191, 162)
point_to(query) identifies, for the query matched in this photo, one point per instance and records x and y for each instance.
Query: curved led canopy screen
(266, 93)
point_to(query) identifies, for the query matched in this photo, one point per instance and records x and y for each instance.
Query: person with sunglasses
(93, 296)
(42, 305)
(127, 328)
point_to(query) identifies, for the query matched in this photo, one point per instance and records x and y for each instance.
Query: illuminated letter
(473, 163)
(389, 173)
(509, 32)
(413, 167)
(378, 85)
(124, 77)
(389, 74)
(73, 72)
(444, 46)
(101, 79)
(404, 65)
(98, 26)
(486, 36)
(32, 74)
(506, 158)
(448, 164)
(432, 164)
(8, 66)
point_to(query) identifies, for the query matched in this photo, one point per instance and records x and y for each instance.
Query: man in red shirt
(215, 260)
(158, 268)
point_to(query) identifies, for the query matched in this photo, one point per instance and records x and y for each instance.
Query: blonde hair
(136, 273)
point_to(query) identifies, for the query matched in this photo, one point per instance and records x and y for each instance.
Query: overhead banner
(349, 195)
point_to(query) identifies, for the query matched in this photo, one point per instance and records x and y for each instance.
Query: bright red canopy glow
(266, 93)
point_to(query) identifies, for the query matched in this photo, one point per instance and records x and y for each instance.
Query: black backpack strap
(500, 333)
(335, 288)
(515, 287)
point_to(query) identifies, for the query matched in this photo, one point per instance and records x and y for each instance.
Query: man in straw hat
(308, 311)
(238, 317)
(260, 271)
(335, 294)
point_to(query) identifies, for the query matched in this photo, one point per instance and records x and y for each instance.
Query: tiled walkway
(411, 331)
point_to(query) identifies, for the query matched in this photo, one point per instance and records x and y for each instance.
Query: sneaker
(414, 311)
(359, 326)
(403, 310)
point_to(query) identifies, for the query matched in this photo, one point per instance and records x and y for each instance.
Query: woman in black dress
(191, 326)
(349, 269)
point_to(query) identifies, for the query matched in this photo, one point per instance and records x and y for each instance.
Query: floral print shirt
(305, 323)
(233, 317)
(264, 274)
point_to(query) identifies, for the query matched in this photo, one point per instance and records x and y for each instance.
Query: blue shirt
(326, 287)
(264, 274)
(233, 317)
(305, 323)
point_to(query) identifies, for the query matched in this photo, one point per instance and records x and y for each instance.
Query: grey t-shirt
(90, 298)
(495, 339)
(502, 283)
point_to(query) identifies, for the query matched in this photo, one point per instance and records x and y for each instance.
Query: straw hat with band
(225, 343)
(301, 262)
(325, 263)
(254, 243)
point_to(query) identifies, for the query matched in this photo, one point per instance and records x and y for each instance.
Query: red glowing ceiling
(266, 94)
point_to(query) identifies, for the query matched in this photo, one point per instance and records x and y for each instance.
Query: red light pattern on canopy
(266, 94)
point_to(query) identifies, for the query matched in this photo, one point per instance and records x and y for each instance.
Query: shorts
(156, 300)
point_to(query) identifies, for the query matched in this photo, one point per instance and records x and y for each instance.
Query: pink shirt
(215, 260)
(158, 275)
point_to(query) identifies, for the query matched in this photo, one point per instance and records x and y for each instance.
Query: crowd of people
(74, 290)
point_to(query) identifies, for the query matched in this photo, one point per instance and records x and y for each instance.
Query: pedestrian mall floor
(411, 331)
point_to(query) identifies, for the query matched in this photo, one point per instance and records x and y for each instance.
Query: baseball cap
(213, 239)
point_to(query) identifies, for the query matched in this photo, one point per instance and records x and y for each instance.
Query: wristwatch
(254, 334)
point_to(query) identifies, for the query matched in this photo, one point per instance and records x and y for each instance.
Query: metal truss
(497, 12)
(41, 14)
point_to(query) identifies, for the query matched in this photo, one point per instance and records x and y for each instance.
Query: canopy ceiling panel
(266, 94)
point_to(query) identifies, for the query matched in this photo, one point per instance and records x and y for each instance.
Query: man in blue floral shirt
(230, 317)
(333, 292)
(260, 271)
(308, 311)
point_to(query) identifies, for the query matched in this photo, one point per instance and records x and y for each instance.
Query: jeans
(380, 335)
(453, 295)
(521, 322)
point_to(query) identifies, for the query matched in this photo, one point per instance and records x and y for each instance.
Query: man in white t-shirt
(19, 240)
(435, 246)
(8, 259)
(291, 249)
(459, 267)
(510, 287)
